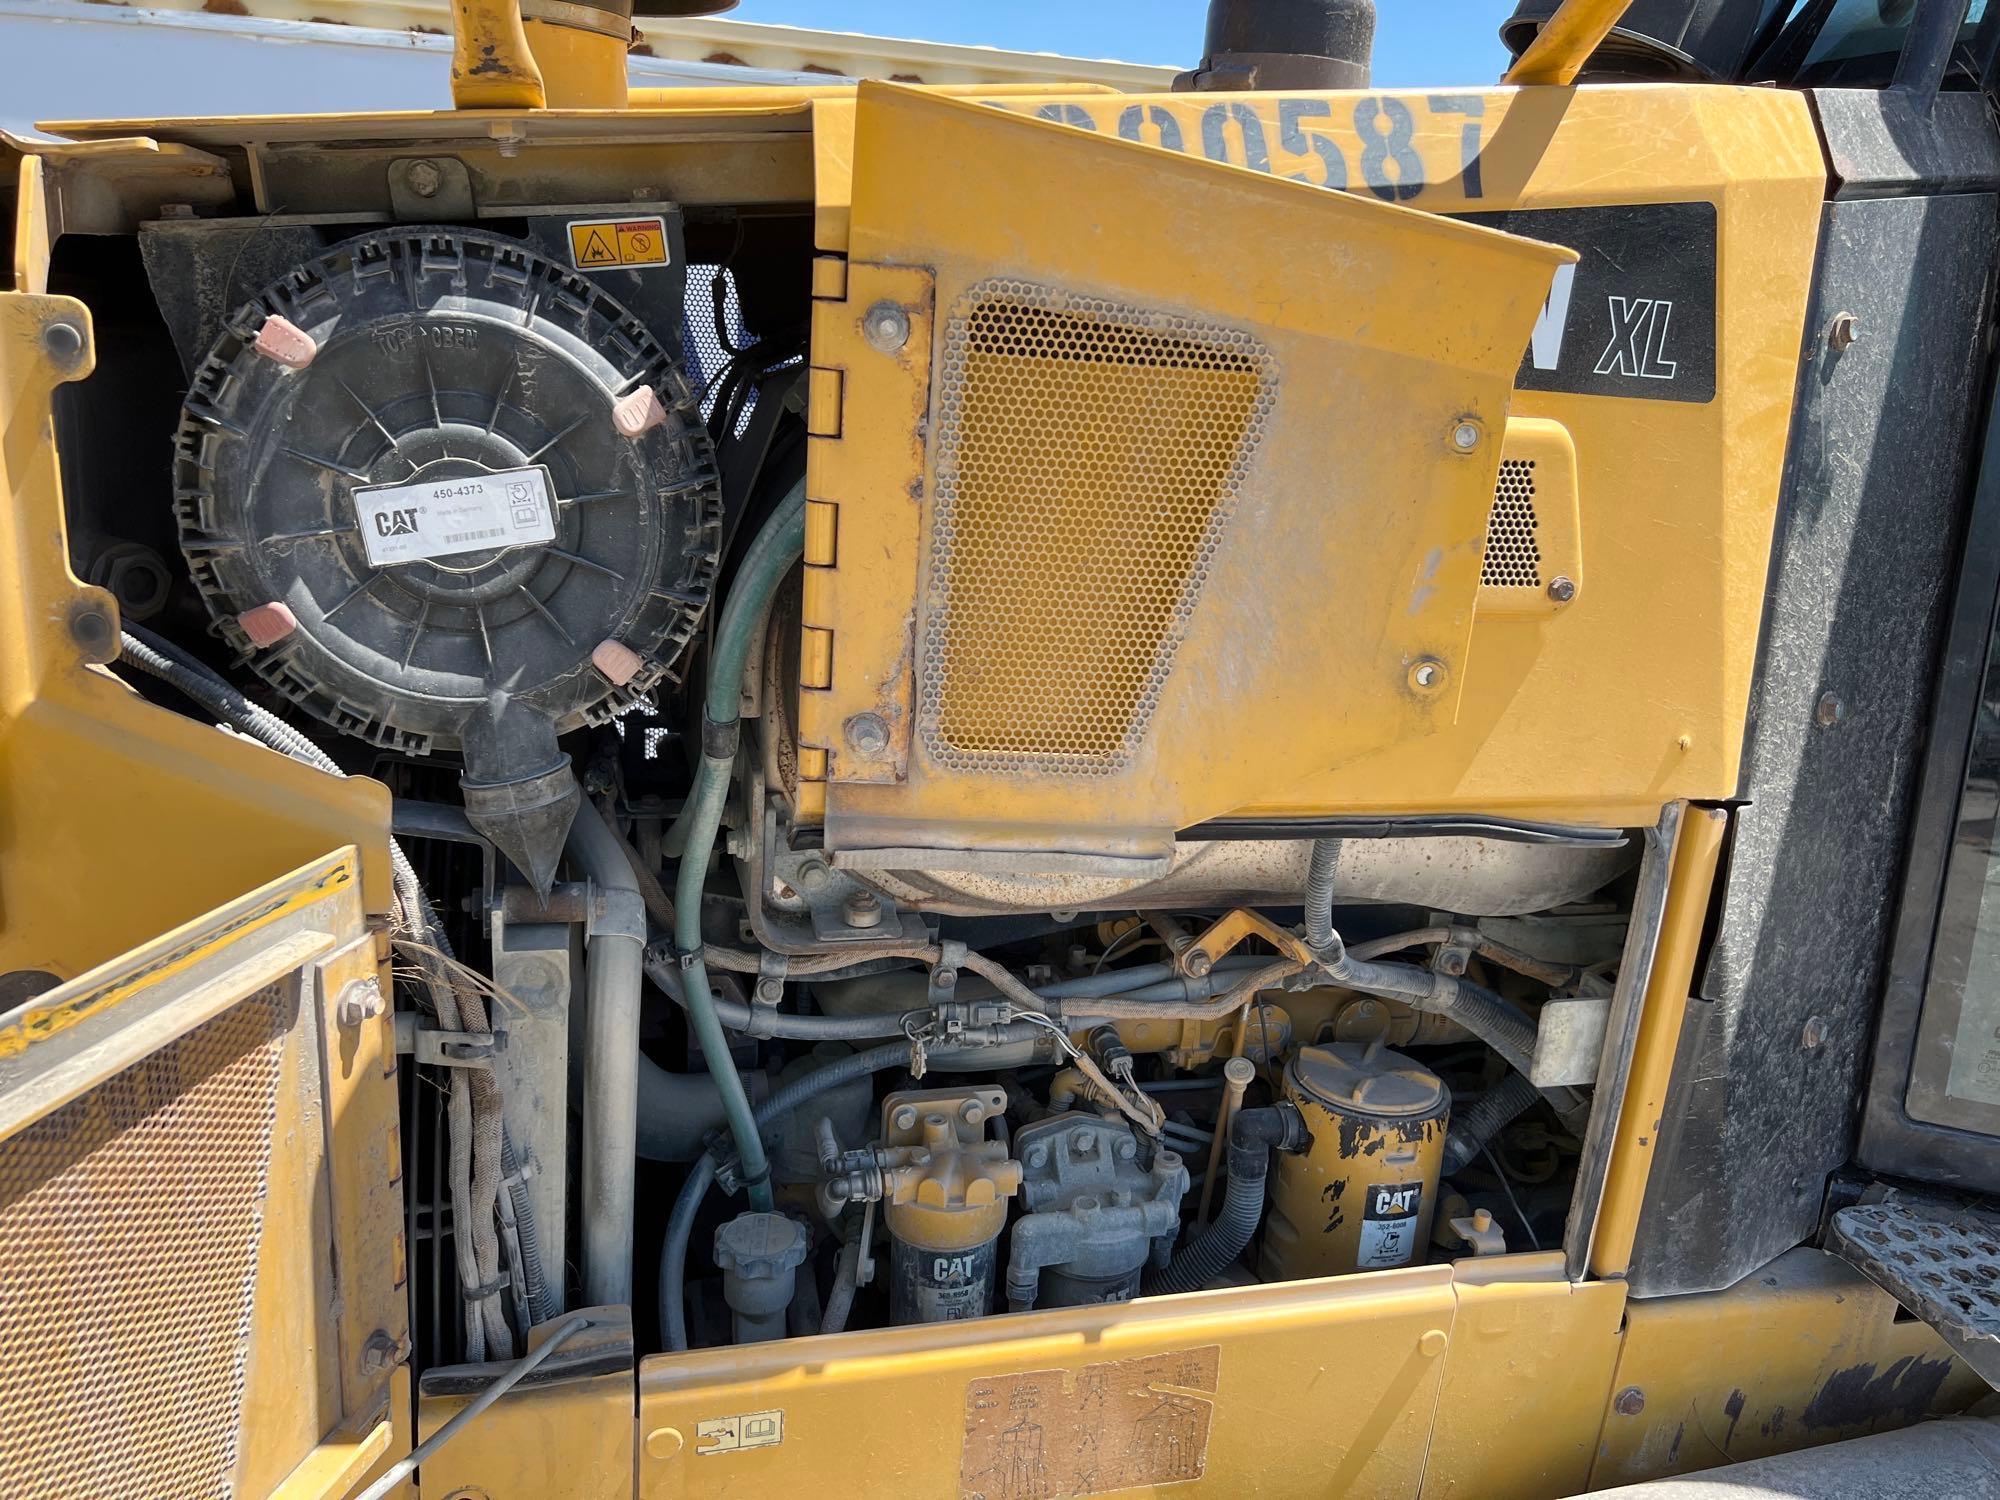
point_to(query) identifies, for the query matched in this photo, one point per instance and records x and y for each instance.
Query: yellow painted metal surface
(1696, 851)
(213, 1132)
(559, 1435)
(1676, 499)
(161, 786)
(1805, 1351)
(1315, 1388)
(1352, 311)
(580, 69)
(1566, 41)
(1531, 1356)
(491, 66)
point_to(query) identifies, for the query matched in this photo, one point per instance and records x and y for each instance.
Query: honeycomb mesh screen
(1087, 459)
(129, 1229)
(1513, 555)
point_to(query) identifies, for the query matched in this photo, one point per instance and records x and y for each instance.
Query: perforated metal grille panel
(1513, 554)
(1087, 459)
(129, 1229)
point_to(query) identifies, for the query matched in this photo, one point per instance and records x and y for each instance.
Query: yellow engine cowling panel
(1033, 624)
(1646, 665)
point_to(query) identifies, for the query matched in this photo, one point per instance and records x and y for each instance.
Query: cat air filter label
(1389, 1225)
(445, 517)
(601, 244)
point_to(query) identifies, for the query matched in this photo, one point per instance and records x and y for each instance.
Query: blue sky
(1416, 41)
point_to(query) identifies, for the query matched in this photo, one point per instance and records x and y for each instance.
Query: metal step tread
(1941, 1261)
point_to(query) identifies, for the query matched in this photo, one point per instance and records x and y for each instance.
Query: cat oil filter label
(1054, 1434)
(602, 244)
(1389, 1225)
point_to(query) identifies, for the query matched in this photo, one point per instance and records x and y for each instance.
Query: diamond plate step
(1940, 1261)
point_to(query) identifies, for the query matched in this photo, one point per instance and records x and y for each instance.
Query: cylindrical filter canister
(1362, 1195)
(946, 1201)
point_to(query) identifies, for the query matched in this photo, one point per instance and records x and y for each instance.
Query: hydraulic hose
(1252, 1134)
(1320, 870)
(776, 548)
(1488, 1115)
(680, 1223)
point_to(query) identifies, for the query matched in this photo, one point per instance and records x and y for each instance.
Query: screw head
(946, 978)
(886, 327)
(906, 1118)
(1813, 1035)
(1829, 711)
(63, 340)
(1631, 1401)
(1427, 674)
(1465, 436)
(94, 633)
(1039, 1157)
(425, 179)
(770, 990)
(866, 734)
(360, 1001)
(1842, 331)
(1562, 590)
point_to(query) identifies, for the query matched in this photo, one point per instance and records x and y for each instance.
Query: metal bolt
(1451, 961)
(1198, 962)
(1631, 1401)
(972, 1112)
(1085, 1145)
(945, 978)
(866, 734)
(770, 990)
(1829, 711)
(92, 630)
(360, 1001)
(906, 1118)
(814, 876)
(381, 1351)
(63, 340)
(1813, 1036)
(1465, 436)
(1427, 675)
(862, 909)
(1432, 1342)
(1562, 590)
(886, 327)
(1843, 331)
(1039, 1157)
(425, 179)
(1127, 1149)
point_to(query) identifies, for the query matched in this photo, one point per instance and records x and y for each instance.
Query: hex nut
(862, 909)
(1842, 331)
(360, 1001)
(866, 734)
(425, 178)
(1562, 590)
(1829, 711)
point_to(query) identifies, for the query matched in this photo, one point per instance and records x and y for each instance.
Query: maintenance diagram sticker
(446, 517)
(604, 244)
(1389, 1225)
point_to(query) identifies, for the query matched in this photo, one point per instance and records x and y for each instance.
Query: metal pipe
(1565, 42)
(611, 1064)
(1236, 1076)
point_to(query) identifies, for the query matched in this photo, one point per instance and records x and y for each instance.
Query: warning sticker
(1389, 1225)
(445, 517)
(601, 244)
(1052, 1434)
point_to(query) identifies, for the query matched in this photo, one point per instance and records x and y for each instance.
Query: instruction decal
(607, 244)
(1055, 1434)
(753, 1429)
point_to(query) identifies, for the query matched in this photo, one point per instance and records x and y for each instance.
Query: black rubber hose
(1488, 1115)
(1252, 1134)
(1500, 1024)
(1319, 893)
(680, 1224)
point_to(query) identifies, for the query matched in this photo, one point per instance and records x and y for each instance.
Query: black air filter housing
(405, 497)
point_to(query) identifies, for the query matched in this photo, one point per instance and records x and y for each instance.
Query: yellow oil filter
(1361, 1197)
